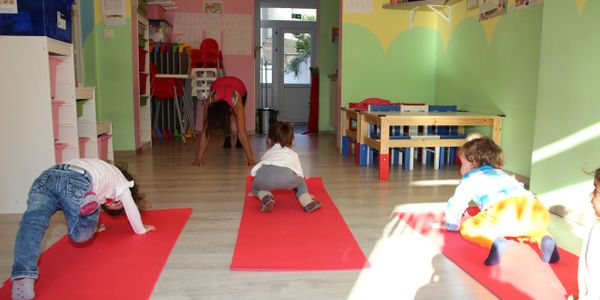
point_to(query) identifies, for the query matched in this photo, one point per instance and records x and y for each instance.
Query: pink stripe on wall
(241, 66)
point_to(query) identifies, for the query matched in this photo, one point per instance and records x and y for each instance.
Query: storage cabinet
(26, 116)
(144, 72)
(28, 145)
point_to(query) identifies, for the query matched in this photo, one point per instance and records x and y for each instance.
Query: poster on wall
(358, 6)
(472, 4)
(213, 7)
(491, 8)
(8, 7)
(522, 4)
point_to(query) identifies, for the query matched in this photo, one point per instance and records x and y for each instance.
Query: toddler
(280, 168)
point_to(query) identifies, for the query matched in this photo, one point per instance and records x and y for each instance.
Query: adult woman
(227, 97)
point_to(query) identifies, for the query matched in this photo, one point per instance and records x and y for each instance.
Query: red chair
(204, 58)
(164, 90)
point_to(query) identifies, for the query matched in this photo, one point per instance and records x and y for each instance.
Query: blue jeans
(59, 188)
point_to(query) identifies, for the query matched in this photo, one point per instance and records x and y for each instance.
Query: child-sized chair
(397, 154)
(446, 132)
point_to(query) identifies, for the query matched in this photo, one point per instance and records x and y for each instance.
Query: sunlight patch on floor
(399, 249)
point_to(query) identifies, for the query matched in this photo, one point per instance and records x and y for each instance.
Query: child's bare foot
(22, 289)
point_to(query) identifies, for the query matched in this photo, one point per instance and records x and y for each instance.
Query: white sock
(22, 289)
(305, 199)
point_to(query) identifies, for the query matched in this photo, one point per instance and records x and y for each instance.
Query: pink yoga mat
(116, 264)
(290, 239)
(520, 275)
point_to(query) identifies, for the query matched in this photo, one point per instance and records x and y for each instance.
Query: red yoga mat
(116, 264)
(289, 239)
(521, 273)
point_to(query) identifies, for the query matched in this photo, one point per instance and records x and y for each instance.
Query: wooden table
(386, 119)
(350, 129)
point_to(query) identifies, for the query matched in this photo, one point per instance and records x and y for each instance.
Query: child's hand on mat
(149, 227)
(100, 227)
(250, 162)
(198, 162)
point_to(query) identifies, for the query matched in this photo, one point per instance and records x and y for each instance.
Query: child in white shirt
(589, 261)
(78, 188)
(280, 168)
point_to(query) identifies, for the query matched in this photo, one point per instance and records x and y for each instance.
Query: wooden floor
(404, 266)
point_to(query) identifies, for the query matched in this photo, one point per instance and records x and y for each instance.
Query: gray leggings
(270, 178)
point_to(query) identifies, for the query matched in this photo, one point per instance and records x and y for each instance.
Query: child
(228, 96)
(78, 188)
(589, 266)
(280, 168)
(507, 208)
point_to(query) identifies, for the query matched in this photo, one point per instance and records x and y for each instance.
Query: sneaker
(314, 205)
(227, 142)
(238, 144)
(267, 203)
(91, 204)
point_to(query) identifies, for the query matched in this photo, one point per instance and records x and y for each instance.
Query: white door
(286, 50)
(296, 57)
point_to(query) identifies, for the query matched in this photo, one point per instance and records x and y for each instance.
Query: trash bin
(265, 117)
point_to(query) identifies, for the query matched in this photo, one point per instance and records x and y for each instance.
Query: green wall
(328, 59)
(401, 74)
(497, 77)
(108, 66)
(114, 95)
(565, 142)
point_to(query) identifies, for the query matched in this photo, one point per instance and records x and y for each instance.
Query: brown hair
(218, 115)
(138, 197)
(483, 151)
(218, 118)
(281, 132)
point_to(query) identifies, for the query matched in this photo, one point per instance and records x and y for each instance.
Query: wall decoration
(8, 7)
(358, 6)
(213, 7)
(491, 8)
(521, 4)
(472, 4)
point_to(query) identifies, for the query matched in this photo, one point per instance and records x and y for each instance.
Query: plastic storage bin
(51, 18)
(58, 149)
(55, 109)
(103, 146)
(82, 141)
(53, 62)
(143, 82)
(142, 58)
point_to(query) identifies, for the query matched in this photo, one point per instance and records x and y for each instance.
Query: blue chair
(395, 133)
(445, 132)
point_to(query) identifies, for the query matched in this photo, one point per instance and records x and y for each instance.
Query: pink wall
(241, 66)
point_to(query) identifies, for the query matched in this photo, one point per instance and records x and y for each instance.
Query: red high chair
(163, 90)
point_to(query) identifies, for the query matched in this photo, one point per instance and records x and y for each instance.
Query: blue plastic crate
(51, 18)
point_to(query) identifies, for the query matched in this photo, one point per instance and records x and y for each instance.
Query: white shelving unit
(86, 123)
(145, 108)
(26, 113)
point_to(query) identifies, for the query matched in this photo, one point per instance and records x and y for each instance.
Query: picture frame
(472, 4)
(213, 7)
